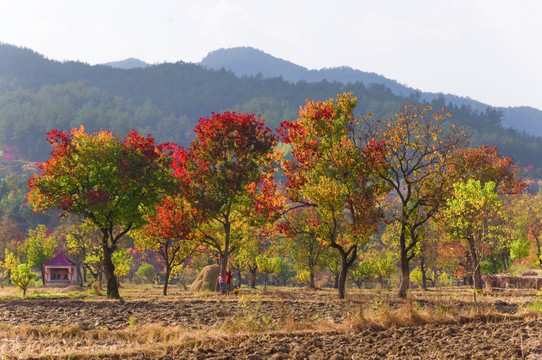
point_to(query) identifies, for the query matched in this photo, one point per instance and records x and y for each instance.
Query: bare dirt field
(282, 324)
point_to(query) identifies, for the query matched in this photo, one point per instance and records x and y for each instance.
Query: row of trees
(333, 182)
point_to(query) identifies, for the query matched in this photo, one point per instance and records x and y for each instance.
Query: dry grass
(376, 310)
(150, 341)
(25, 342)
(253, 319)
(448, 306)
(13, 293)
(382, 316)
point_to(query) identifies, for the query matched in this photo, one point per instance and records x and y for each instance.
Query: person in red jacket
(228, 281)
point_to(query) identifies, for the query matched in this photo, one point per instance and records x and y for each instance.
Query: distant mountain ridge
(130, 63)
(248, 61)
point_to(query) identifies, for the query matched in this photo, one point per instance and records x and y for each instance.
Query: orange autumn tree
(336, 173)
(111, 181)
(485, 164)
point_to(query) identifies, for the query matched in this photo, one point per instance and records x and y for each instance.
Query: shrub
(145, 274)
(22, 276)
(536, 306)
(416, 276)
(95, 288)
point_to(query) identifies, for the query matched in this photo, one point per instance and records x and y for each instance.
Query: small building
(60, 271)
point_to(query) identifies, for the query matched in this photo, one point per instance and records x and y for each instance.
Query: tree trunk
(476, 265)
(538, 250)
(342, 276)
(224, 264)
(224, 255)
(493, 263)
(359, 283)
(80, 274)
(505, 260)
(311, 278)
(42, 275)
(109, 270)
(166, 279)
(265, 283)
(253, 272)
(404, 285)
(477, 277)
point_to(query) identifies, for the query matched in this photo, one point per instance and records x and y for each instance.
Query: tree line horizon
(328, 186)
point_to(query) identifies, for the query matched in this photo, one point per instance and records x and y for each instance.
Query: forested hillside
(37, 95)
(247, 61)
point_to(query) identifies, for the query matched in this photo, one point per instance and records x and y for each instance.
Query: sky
(488, 50)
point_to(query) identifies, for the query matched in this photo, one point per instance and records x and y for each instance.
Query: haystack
(207, 279)
(508, 282)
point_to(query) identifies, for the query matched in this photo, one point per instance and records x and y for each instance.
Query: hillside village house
(60, 271)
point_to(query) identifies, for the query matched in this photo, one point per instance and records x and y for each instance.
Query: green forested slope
(37, 95)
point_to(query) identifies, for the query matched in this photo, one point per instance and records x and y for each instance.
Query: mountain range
(248, 61)
(167, 100)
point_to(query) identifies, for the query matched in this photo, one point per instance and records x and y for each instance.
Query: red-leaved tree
(170, 233)
(228, 177)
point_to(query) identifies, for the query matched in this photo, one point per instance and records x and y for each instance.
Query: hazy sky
(489, 50)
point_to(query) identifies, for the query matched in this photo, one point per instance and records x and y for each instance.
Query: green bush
(95, 288)
(22, 276)
(536, 306)
(145, 274)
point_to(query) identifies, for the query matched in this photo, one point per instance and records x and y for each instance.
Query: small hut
(60, 271)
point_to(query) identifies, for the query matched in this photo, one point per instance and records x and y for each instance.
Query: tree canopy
(110, 181)
(338, 173)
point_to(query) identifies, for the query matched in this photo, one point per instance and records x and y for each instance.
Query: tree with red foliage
(170, 233)
(112, 182)
(338, 173)
(228, 177)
